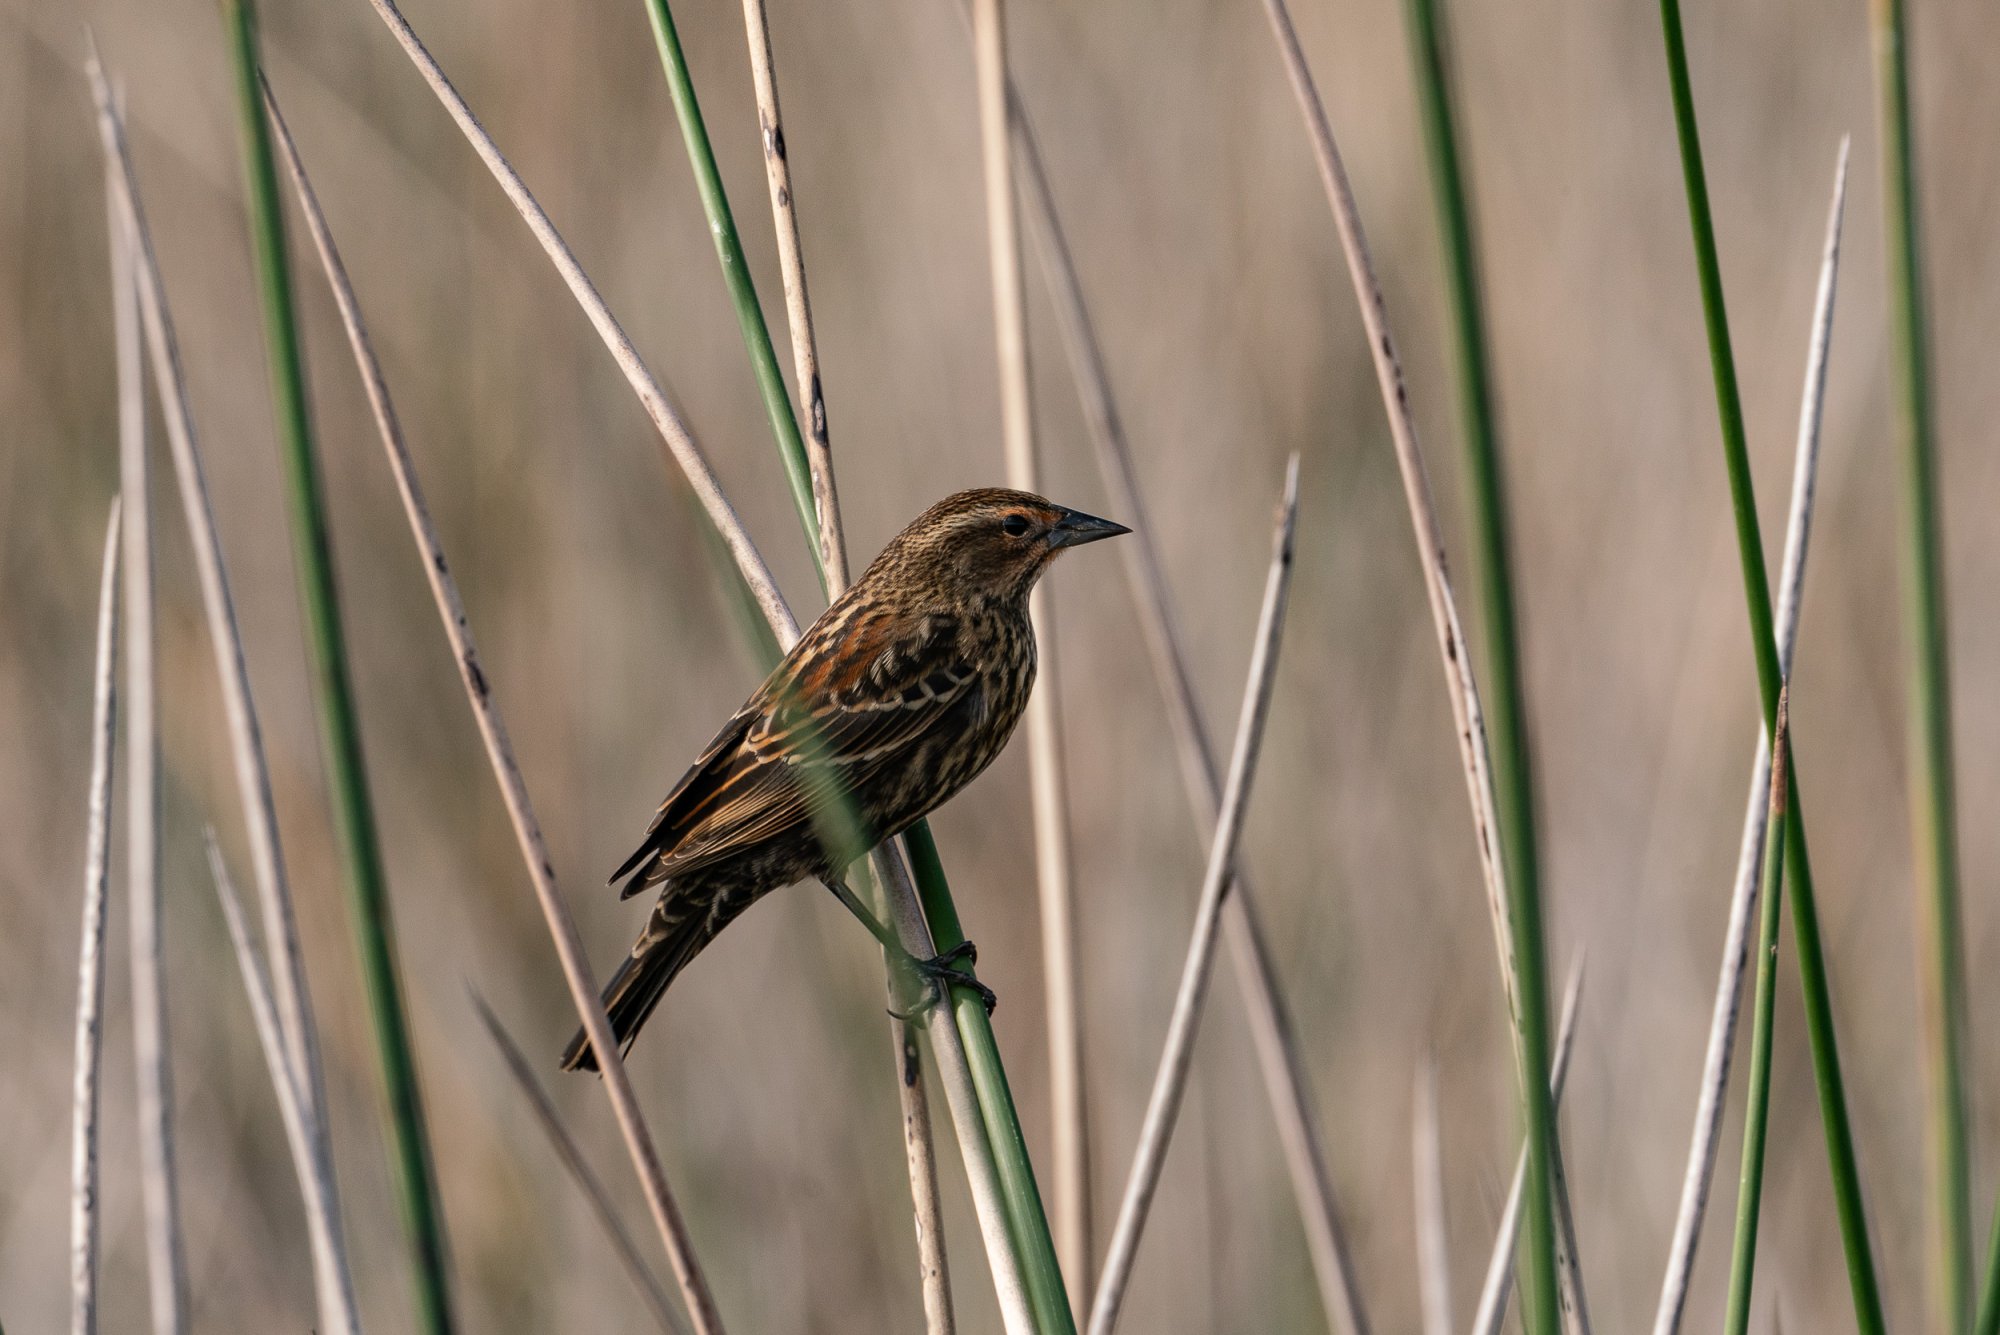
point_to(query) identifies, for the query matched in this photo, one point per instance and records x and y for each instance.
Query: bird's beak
(1076, 528)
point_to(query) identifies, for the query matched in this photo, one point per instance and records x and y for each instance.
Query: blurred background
(1206, 249)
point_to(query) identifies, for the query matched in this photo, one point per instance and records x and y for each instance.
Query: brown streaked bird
(904, 689)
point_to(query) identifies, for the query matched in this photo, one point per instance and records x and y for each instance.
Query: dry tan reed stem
(1170, 1083)
(1464, 691)
(947, 1048)
(659, 408)
(83, 1219)
(1271, 1029)
(1500, 1265)
(1750, 851)
(1463, 687)
(335, 1284)
(166, 1253)
(253, 778)
(1427, 1182)
(1061, 965)
(500, 752)
(579, 1170)
(920, 1151)
(1569, 1270)
(1010, 314)
(906, 915)
(811, 403)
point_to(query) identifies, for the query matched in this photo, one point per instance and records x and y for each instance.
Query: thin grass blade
(315, 1173)
(370, 908)
(253, 778)
(1933, 781)
(1750, 855)
(83, 1211)
(1176, 1058)
(1843, 1165)
(166, 1254)
(252, 774)
(1513, 776)
(1499, 1281)
(1569, 1264)
(1757, 1114)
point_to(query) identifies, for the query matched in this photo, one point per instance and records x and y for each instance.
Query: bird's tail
(637, 987)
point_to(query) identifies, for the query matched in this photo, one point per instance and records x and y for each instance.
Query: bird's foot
(939, 975)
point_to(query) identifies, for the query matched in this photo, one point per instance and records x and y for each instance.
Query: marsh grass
(370, 908)
(809, 468)
(1021, 1248)
(1843, 1162)
(1513, 904)
(1177, 1056)
(1744, 894)
(1027, 1235)
(1273, 1033)
(1062, 953)
(506, 770)
(166, 1254)
(1491, 1313)
(736, 272)
(1933, 771)
(304, 1135)
(1757, 1114)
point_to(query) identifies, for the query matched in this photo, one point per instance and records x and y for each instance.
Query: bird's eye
(1015, 526)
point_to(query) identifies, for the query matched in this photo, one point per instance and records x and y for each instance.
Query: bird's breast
(1007, 676)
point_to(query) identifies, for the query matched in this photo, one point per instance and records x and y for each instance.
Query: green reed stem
(1027, 1220)
(1843, 1166)
(1025, 1212)
(1513, 778)
(1988, 1320)
(347, 777)
(1933, 799)
(1756, 1118)
(736, 272)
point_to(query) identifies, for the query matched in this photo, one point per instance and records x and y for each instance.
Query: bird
(900, 694)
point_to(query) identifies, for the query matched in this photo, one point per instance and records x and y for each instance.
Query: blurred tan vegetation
(1209, 258)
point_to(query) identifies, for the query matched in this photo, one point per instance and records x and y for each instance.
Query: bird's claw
(939, 976)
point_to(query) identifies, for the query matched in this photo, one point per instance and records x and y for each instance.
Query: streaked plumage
(898, 696)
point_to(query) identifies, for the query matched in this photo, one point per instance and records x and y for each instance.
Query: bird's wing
(710, 768)
(836, 717)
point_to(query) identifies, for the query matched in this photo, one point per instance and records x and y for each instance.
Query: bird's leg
(939, 971)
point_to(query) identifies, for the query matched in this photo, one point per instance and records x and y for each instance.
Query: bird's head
(993, 542)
